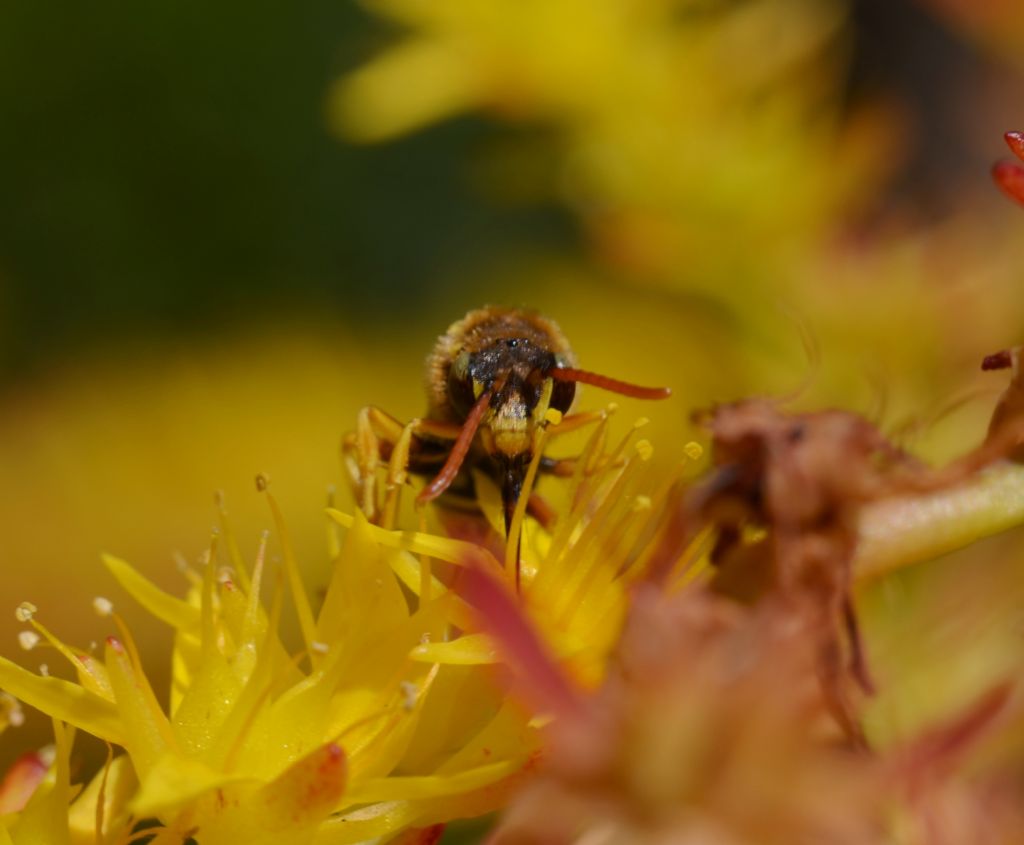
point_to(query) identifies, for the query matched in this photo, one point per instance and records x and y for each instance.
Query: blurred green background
(226, 227)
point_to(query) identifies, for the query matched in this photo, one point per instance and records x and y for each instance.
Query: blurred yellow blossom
(681, 128)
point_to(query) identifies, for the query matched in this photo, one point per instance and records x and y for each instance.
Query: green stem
(900, 532)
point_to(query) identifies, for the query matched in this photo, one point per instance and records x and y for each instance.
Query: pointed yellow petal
(147, 733)
(298, 589)
(378, 100)
(462, 690)
(377, 749)
(467, 650)
(306, 792)
(162, 605)
(21, 780)
(408, 570)
(92, 674)
(119, 786)
(210, 697)
(442, 548)
(63, 700)
(364, 601)
(284, 812)
(506, 737)
(429, 786)
(172, 781)
(45, 817)
(380, 820)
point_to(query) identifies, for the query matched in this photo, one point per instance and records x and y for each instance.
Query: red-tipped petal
(1010, 177)
(540, 680)
(1015, 141)
(939, 748)
(306, 792)
(21, 780)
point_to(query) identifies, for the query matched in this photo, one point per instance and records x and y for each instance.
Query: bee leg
(398, 472)
(566, 467)
(539, 508)
(380, 437)
(558, 467)
(362, 452)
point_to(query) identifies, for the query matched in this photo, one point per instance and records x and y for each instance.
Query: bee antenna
(606, 383)
(451, 467)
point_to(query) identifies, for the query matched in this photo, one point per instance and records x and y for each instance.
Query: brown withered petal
(711, 730)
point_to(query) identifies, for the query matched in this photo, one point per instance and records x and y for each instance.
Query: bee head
(514, 370)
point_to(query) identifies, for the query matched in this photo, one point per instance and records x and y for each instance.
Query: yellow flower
(387, 719)
(574, 581)
(680, 128)
(355, 737)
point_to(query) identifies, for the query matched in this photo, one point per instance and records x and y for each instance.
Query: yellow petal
(209, 700)
(307, 791)
(298, 589)
(284, 812)
(407, 568)
(172, 781)
(418, 542)
(413, 85)
(505, 737)
(467, 650)
(364, 600)
(63, 700)
(117, 790)
(461, 690)
(377, 748)
(21, 780)
(147, 733)
(428, 786)
(379, 820)
(45, 818)
(164, 606)
(91, 673)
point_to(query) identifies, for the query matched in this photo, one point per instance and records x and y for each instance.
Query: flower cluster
(624, 685)
(668, 118)
(385, 720)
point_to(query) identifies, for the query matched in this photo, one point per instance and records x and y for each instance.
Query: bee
(491, 380)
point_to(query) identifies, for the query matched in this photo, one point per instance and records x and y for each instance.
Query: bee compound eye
(562, 395)
(460, 392)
